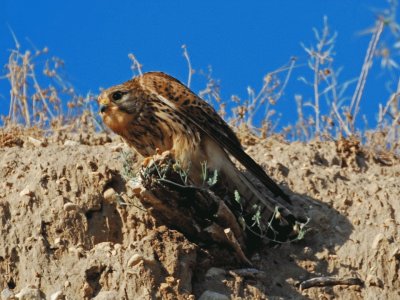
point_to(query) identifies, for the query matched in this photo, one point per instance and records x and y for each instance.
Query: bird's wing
(198, 112)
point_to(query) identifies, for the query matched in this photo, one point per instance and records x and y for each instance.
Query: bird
(154, 112)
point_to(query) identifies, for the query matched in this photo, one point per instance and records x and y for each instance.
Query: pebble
(35, 142)
(70, 143)
(215, 272)
(57, 296)
(26, 192)
(6, 294)
(109, 195)
(107, 295)
(29, 293)
(210, 295)
(69, 206)
(134, 260)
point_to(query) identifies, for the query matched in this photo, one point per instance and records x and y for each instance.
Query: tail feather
(253, 196)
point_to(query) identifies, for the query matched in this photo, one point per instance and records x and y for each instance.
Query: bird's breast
(160, 130)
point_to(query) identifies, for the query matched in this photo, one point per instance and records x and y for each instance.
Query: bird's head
(118, 106)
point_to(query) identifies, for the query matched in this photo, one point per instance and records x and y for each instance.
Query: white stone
(135, 259)
(6, 294)
(57, 296)
(29, 293)
(109, 195)
(35, 142)
(26, 192)
(70, 143)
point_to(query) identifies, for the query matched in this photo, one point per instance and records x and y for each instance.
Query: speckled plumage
(156, 111)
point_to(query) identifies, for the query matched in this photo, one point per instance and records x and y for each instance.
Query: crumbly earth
(65, 236)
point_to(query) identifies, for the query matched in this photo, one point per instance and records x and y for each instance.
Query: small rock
(57, 296)
(26, 192)
(7, 294)
(70, 143)
(135, 259)
(107, 295)
(210, 295)
(215, 272)
(67, 284)
(29, 293)
(109, 195)
(35, 142)
(69, 206)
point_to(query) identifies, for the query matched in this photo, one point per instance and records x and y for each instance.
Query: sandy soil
(65, 236)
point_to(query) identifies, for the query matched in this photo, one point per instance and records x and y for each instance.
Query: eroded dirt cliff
(64, 236)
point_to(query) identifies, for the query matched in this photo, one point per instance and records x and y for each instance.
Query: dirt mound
(65, 236)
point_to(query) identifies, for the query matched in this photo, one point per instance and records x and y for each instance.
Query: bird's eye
(117, 95)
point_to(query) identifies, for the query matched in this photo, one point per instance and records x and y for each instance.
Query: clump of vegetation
(41, 97)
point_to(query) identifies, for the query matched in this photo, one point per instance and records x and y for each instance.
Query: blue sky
(241, 40)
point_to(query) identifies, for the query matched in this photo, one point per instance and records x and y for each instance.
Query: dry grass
(40, 97)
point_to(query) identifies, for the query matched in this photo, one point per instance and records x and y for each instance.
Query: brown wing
(200, 113)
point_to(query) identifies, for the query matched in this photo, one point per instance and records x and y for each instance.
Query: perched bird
(156, 112)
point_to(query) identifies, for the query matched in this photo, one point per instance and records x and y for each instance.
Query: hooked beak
(103, 108)
(103, 104)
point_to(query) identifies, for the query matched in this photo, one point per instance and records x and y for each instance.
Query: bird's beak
(103, 108)
(103, 102)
